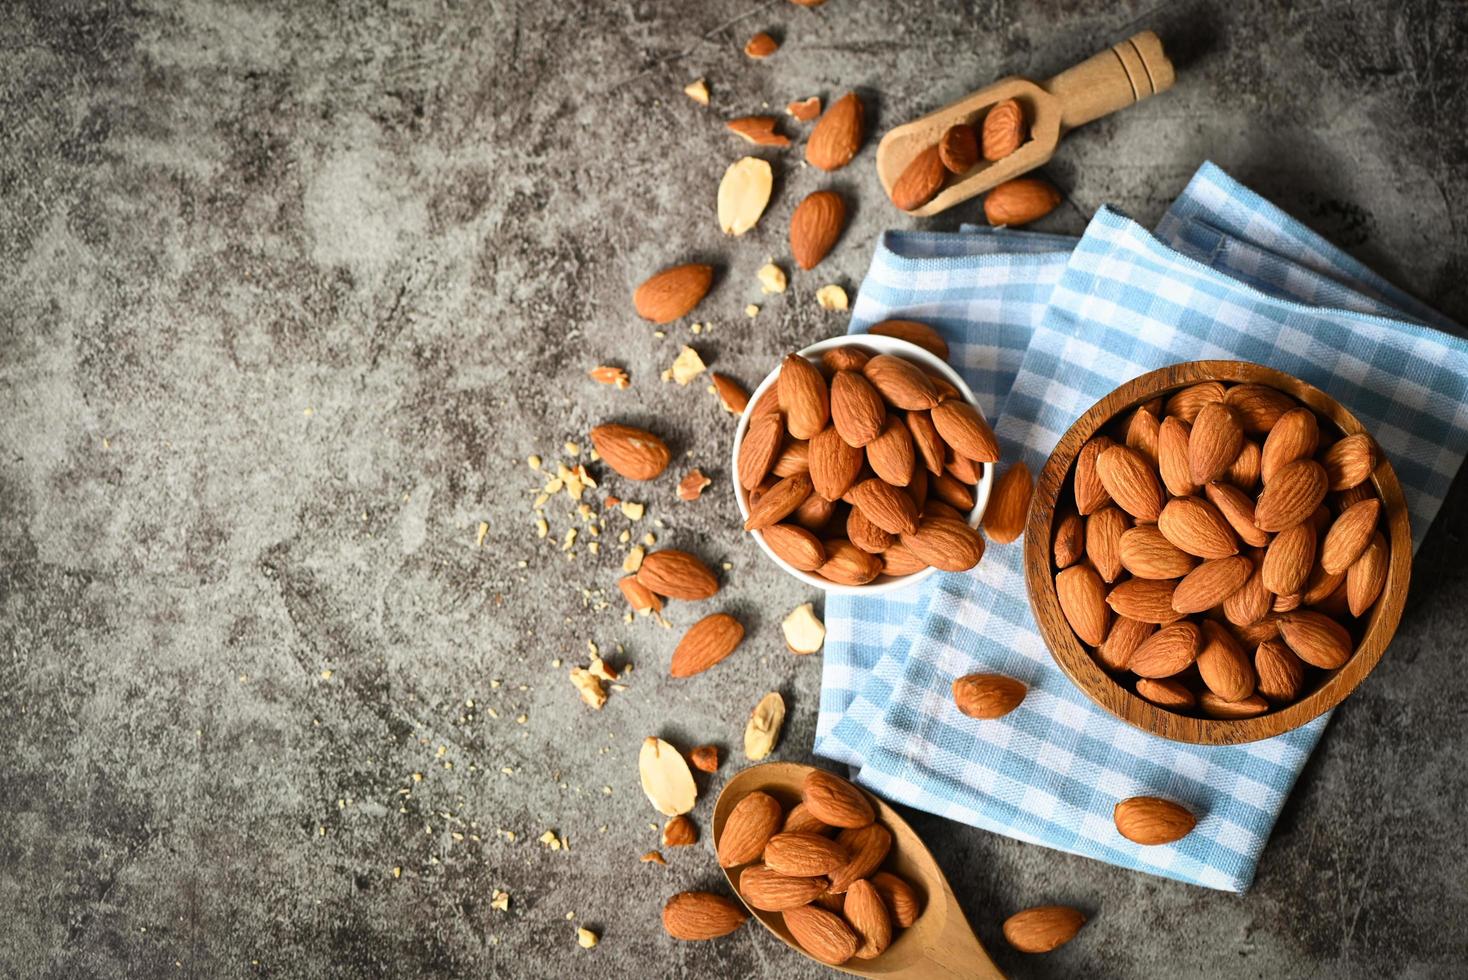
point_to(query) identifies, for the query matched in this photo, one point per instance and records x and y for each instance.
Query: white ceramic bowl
(881, 345)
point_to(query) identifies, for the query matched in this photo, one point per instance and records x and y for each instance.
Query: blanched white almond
(804, 632)
(763, 730)
(743, 194)
(665, 777)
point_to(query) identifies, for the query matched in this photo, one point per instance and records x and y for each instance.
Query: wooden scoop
(940, 945)
(1114, 79)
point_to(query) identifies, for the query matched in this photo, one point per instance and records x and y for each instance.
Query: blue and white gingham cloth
(1042, 327)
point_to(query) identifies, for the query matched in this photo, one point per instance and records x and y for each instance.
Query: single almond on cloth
(1083, 601)
(1172, 457)
(1238, 509)
(846, 564)
(761, 46)
(1222, 663)
(1004, 130)
(632, 452)
(866, 535)
(900, 898)
(679, 831)
(1187, 403)
(1070, 540)
(796, 545)
(803, 855)
(1349, 462)
(1194, 525)
(760, 449)
(801, 820)
(1020, 201)
(965, 429)
(857, 410)
(677, 575)
(1292, 496)
(1349, 535)
(803, 397)
(1253, 600)
(945, 543)
(1009, 504)
(1143, 599)
(759, 130)
(1043, 928)
(673, 292)
(697, 916)
(815, 226)
(1214, 443)
(1171, 650)
(1090, 492)
(1131, 481)
(1151, 820)
(868, 847)
(835, 801)
(1244, 473)
(925, 438)
(750, 825)
(885, 506)
(901, 383)
(986, 696)
(1166, 692)
(771, 891)
(1281, 673)
(958, 148)
(822, 933)
(1316, 639)
(1122, 640)
(867, 914)
(1258, 407)
(923, 177)
(1211, 583)
(779, 502)
(835, 139)
(1216, 707)
(1142, 431)
(707, 641)
(1104, 529)
(1289, 558)
(1146, 553)
(1367, 576)
(834, 463)
(1295, 436)
(913, 332)
(744, 192)
(891, 454)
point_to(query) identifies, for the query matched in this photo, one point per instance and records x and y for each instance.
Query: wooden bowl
(1077, 662)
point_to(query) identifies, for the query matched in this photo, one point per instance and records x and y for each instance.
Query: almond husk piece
(707, 642)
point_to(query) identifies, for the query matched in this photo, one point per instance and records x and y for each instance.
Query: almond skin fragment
(986, 696)
(759, 130)
(673, 292)
(1043, 928)
(705, 758)
(761, 46)
(1151, 820)
(692, 485)
(805, 109)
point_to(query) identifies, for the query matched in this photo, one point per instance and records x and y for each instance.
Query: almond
(1350, 461)
(1222, 663)
(1294, 436)
(1131, 481)
(867, 847)
(1187, 403)
(941, 385)
(1172, 457)
(1211, 583)
(834, 464)
(1335, 604)
(900, 898)
(771, 891)
(761, 46)
(705, 758)
(803, 397)
(1143, 599)
(762, 731)
(898, 560)
(901, 383)
(1349, 536)
(760, 448)
(1122, 641)
(958, 148)
(1258, 407)
(1316, 639)
(803, 855)
(759, 130)
(1289, 558)
(805, 109)
(1151, 820)
(1321, 585)
(867, 915)
(835, 139)
(731, 393)
(779, 502)
(1009, 505)
(744, 192)
(1351, 495)
(634, 453)
(965, 429)
(639, 596)
(987, 696)
(1004, 130)
(749, 827)
(1020, 201)
(795, 545)
(961, 468)
(1167, 692)
(1196, 526)
(1104, 529)
(1090, 493)
(673, 292)
(1256, 633)
(1041, 929)
(885, 506)
(677, 575)
(846, 564)
(1238, 509)
(665, 777)
(1214, 443)
(1070, 541)
(913, 332)
(815, 226)
(701, 915)
(1292, 496)
(707, 641)
(793, 459)
(857, 409)
(1083, 601)
(822, 933)
(1245, 471)
(835, 801)
(1142, 431)
(1216, 707)
(815, 513)
(801, 820)
(679, 831)
(922, 178)
(925, 438)
(866, 535)
(1145, 553)
(945, 543)
(1252, 602)
(1367, 576)
(891, 455)
(1287, 602)
(1281, 674)
(1167, 652)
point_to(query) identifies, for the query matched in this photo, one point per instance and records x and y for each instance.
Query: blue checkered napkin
(1051, 771)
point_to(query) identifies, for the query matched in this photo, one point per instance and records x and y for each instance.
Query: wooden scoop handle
(1114, 79)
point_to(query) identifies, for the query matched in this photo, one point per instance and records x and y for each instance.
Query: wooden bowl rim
(1078, 664)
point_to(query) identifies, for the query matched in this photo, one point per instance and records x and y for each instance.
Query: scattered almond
(701, 915)
(1042, 929)
(679, 831)
(705, 758)
(673, 292)
(1150, 820)
(1020, 201)
(707, 642)
(763, 730)
(836, 138)
(761, 46)
(805, 109)
(815, 226)
(987, 696)
(665, 777)
(744, 192)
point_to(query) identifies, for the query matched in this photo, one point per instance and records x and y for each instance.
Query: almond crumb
(588, 685)
(691, 486)
(687, 366)
(805, 109)
(698, 91)
(606, 374)
(653, 857)
(771, 278)
(632, 511)
(751, 311)
(831, 297)
(585, 938)
(500, 901)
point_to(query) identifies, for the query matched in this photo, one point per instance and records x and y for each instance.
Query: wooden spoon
(1114, 79)
(940, 945)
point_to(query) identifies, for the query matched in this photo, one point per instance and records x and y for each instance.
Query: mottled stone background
(289, 291)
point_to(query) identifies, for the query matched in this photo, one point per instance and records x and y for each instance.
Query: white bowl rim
(882, 345)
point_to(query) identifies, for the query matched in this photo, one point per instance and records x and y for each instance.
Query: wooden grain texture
(1120, 76)
(1078, 663)
(940, 945)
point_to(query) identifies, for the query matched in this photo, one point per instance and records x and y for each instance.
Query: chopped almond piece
(806, 109)
(605, 374)
(691, 486)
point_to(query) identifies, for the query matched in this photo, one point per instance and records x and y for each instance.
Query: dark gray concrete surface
(289, 291)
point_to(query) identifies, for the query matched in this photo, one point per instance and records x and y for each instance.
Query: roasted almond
(885, 506)
(803, 397)
(1196, 526)
(768, 402)
(1009, 504)
(1292, 496)
(923, 177)
(1350, 461)
(961, 468)
(1289, 558)
(1294, 436)
(1070, 540)
(760, 448)
(913, 332)
(846, 564)
(1320, 585)
(847, 357)
(1316, 639)
(945, 543)
(1104, 529)
(1151, 820)
(834, 463)
(987, 696)
(1367, 576)
(673, 292)
(965, 429)
(857, 410)
(1145, 553)
(899, 560)
(1020, 201)
(1147, 600)
(1169, 651)
(901, 383)
(835, 801)
(779, 502)
(1187, 403)
(634, 453)
(958, 148)
(1349, 535)
(1166, 692)
(771, 891)
(901, 900)
(1122, 640)
(1211, 583)
(1172, 457)
(868, 916)
(1131, 481)
(707, 641)
(794, 458)
(822, 933)
(677, 575)
(803, 855)
(702, 915)
(835, 139)
(867, 847)
(1041, 929)
(796, 545)
(1238, 509)
(891, 454)
(1004, 130)
(1214, 443)
(1083, 601)
(815, 226)
(1090, 493)
(815, 513)
(1222, 663)
(1281, 673)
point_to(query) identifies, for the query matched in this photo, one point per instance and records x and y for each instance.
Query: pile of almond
(1222, 550)
(960, 149)
(865, 464)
